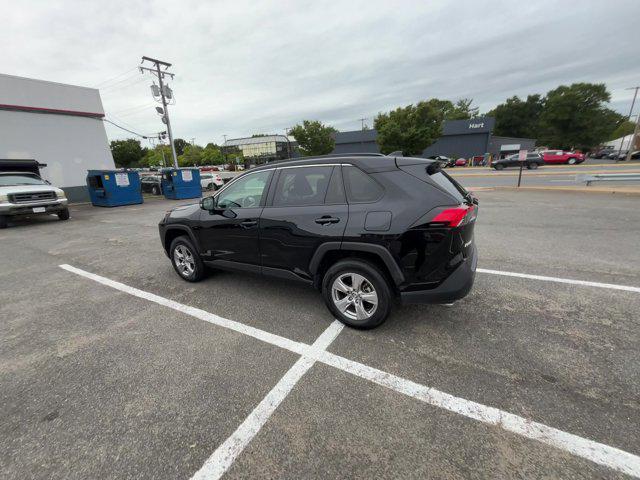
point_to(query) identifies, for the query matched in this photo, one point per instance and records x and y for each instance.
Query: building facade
(460, 139)
(56, 124)
(259, 150)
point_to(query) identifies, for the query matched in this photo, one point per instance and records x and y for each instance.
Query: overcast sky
(245, 67)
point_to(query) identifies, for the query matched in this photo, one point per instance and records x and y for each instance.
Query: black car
(151, 184)
(533, 161)
(363, 230)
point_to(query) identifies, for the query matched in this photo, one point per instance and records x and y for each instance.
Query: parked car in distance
(330, 222)
(533, 161)
(461, 162)
(26, 194)
(560, 156)
(602, 153)
(151, 184)
(211, 181)
(446, 161)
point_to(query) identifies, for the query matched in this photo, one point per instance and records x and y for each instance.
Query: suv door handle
(248, 223)
(327, 219)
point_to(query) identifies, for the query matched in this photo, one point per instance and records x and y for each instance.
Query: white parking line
(585, 283)
(599, 453)
(224, 456)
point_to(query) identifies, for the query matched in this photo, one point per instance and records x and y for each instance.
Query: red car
(560, 156)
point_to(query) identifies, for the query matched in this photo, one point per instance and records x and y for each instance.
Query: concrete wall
(59, 125)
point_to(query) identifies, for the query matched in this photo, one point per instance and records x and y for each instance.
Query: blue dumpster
(179, 183)
(112, 188)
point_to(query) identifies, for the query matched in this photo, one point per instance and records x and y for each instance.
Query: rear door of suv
(306, 207)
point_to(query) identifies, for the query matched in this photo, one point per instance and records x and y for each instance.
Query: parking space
(101, 381)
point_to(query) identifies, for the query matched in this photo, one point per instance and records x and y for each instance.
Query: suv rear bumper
(456, 286)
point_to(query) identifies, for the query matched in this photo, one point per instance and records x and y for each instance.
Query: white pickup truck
(25, 193)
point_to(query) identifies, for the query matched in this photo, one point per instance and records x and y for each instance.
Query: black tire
(215, 187)
(155, 190)
(64, 214)
(194, 274)
(498, 166)
(3, 221)
(374, 278)
(532, 166)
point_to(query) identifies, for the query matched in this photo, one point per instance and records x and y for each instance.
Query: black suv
(364, 230)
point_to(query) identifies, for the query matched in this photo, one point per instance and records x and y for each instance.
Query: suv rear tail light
(454, 217)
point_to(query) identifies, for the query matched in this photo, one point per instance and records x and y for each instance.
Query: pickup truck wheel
(357, 293)
(185, 260)
(3, 221)
(64, 214)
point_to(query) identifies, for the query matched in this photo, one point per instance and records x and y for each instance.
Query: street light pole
(633, 103)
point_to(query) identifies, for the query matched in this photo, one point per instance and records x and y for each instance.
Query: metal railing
(608, 177)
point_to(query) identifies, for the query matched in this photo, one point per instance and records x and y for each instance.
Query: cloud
(247, 67)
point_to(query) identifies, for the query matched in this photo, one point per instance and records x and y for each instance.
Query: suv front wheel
(357, 293)
(185, 259)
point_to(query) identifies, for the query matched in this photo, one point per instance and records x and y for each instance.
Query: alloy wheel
(354, 296)
(184, 260)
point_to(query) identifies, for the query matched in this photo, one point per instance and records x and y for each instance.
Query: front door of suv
(230, 233)
(306, 208)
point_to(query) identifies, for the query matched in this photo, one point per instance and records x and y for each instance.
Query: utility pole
(362, 133)
(636, 132)
(160, 74)
(224, 149)
(633, 103)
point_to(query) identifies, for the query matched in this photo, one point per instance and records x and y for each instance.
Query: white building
(56, 124)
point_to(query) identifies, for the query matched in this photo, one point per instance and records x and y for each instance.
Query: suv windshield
(20, 179)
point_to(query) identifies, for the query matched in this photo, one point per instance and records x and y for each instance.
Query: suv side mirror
(208, 203)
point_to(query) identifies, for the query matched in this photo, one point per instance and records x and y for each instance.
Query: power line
(125, 129)
(114, 78)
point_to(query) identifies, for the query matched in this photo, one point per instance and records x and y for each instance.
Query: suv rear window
(448, 184)
(360, 186)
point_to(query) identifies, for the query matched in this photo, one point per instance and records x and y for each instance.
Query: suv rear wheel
(357, 293)
(186, 260)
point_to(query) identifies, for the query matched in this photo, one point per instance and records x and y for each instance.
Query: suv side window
(302, 186)
(245, 192)
(361, 188)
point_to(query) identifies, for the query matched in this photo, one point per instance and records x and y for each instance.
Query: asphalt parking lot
(152, 377)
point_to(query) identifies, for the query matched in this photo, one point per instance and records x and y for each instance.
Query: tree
(314, 138)
(413, 128)
(180, 145)
(462, 110)
(153, 158)
(576, 116)
(191, 156)
(126, 153)
(623, 129)
(212, 155)
(518, 118)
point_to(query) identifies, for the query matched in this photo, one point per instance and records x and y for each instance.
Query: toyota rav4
(365, 231)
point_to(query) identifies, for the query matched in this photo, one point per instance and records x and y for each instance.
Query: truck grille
(31, 197)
